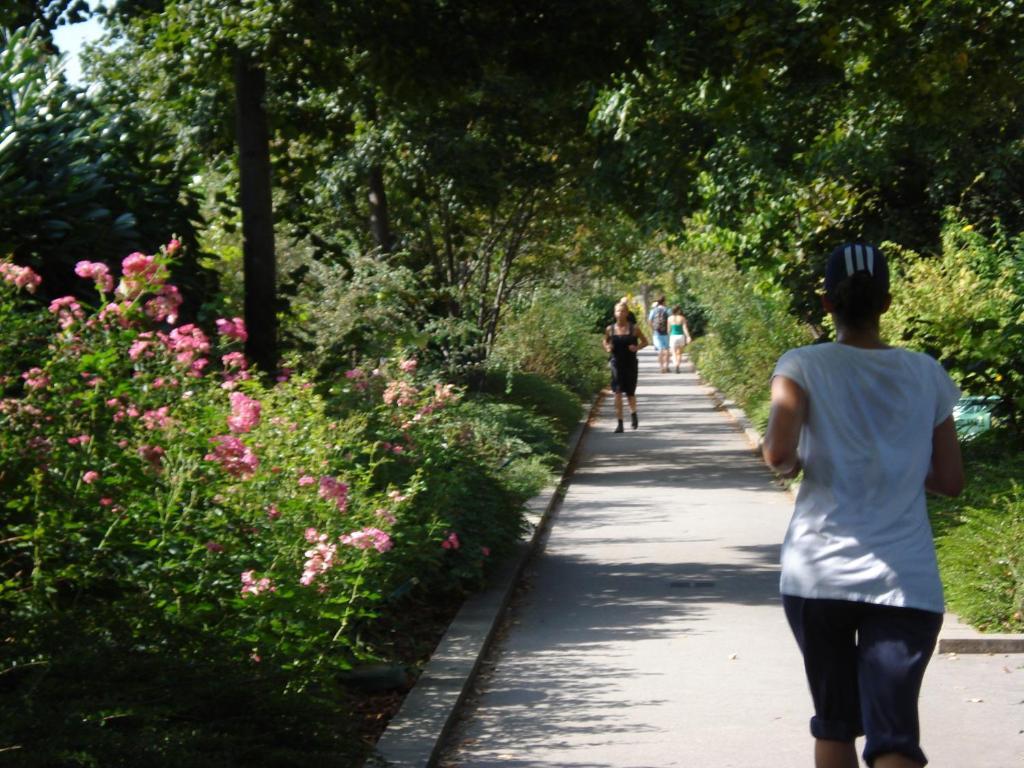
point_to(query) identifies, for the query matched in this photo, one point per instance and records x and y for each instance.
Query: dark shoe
(633, 418)
(619, 428)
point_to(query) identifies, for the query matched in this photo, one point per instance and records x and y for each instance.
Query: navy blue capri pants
(865, 663)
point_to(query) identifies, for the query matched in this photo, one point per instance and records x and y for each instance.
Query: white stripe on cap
(871, 259)
(848, 253)
(858, 251)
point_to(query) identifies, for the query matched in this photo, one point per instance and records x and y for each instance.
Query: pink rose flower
(319, 560)
(35, 378)
(20, 277)
(98, 272)
(154, 454)
(245, 413)
(367, 538)
(332, 489)
(234, 456)
(253, 586)
(233, 328)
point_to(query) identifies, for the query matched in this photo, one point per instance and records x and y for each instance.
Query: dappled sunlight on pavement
(649, 632)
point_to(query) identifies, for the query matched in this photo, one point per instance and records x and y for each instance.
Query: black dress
(623, 360)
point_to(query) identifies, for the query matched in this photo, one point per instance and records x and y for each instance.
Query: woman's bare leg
(618, 406)
(895, 760)
(836, 754)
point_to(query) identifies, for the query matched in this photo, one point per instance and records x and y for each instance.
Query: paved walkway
(650, 634)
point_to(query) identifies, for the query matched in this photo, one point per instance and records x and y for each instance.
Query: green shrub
(966, 308)
(537, 394)
(552, 335)
(748, 325)
(80, 175)
(156, 503)
(980, 536)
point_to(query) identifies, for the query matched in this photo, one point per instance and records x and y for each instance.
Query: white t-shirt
(860, 527)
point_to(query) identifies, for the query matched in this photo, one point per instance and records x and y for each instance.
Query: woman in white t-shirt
(871, 427)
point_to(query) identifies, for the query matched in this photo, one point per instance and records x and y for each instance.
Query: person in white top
(871, 428)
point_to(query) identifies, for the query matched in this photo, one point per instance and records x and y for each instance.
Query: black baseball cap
(851, 258)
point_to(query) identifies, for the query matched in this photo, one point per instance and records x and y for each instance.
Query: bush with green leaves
(965, 307)
(552, 334)
(748, 324)
(78, 175)
(157, 499)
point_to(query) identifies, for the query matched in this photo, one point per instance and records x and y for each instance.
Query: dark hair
(858, 300)
(857, 284)
(677, 310)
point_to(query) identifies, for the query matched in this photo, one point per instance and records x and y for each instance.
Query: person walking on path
(871, 427)
(658, 318)
(678, 334)
(622, 340)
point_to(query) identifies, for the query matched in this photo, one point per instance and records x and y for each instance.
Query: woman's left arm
(785, 420)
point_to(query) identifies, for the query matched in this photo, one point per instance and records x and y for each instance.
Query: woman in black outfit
(622, 339)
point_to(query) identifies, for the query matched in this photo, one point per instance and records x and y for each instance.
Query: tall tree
(257, 213)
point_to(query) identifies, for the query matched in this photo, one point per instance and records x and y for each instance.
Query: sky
(70, 38)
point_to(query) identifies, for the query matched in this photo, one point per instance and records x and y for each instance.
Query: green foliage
(531, 391)
(160, 509)
(980, 536)
(552, 335)
(801, 125)
(748, 323)
(343, 314)
(96, 704)
(76, 178)
(966, 308)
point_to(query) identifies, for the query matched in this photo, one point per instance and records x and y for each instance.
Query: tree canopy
(491, 147)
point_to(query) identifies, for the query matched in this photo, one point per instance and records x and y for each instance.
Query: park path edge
(416, 734)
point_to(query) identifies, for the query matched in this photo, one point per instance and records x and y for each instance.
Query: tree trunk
(380, 224)
(380, 227)
(258, 257)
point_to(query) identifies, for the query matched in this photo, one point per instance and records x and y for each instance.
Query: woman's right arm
(946, 474)
(785, 420)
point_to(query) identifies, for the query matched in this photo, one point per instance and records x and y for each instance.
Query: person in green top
(678, 334)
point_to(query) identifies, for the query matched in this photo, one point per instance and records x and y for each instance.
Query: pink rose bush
(141, 450)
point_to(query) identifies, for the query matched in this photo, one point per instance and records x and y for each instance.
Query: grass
(980, 536)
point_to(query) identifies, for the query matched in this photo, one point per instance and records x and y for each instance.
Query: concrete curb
(955, 637)
(416, 734)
